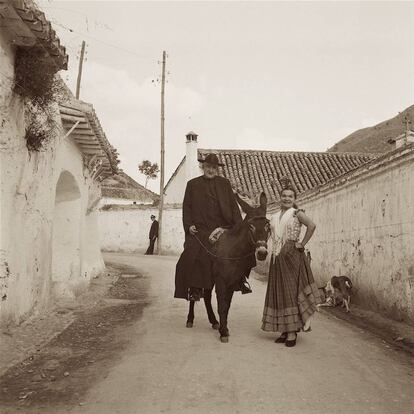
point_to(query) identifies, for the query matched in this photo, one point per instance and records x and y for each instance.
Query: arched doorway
(66, 235)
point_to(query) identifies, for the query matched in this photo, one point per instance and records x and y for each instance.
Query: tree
(149, 169)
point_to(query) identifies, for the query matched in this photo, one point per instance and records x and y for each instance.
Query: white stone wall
(29, 216)
(365, 230)
(124, 201)
(126, 228)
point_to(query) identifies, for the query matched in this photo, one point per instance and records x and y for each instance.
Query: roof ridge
(235, 151)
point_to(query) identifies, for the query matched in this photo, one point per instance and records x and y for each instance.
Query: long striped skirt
(292, 294)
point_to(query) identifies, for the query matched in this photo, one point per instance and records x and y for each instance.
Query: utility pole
(161, 205)
(78, 82)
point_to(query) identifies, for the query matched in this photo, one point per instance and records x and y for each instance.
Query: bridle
(255, 243)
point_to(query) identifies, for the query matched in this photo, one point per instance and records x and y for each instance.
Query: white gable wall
(174, 193)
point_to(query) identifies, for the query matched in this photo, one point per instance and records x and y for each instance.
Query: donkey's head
(258, 224)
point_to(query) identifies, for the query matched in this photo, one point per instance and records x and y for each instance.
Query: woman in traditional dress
(292, 294)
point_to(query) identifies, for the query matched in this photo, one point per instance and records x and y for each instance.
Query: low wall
(365, 229)
(126, 228)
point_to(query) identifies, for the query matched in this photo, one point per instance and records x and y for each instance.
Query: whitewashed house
(121, 189)
(49, 244)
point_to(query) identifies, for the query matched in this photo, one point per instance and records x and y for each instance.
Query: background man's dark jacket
(153, 230)
(194, 213)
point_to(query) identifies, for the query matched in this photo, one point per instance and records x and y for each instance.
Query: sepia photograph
(206, 207)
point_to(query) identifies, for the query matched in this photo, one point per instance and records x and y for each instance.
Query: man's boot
(245, 287)
(194, 294)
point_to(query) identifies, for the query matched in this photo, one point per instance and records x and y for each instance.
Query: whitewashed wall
(174, 192)
(126, 228)
(28, 219)
(365, 230)
(124, 201)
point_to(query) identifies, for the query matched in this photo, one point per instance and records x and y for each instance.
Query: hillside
(374, 139)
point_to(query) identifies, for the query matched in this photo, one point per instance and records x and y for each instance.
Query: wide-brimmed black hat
(212, 159)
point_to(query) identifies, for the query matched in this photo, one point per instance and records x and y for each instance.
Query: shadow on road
(62, 372)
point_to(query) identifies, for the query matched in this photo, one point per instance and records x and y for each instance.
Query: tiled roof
(28, 27)
(253, 171)
(89, 136)
(123, 186)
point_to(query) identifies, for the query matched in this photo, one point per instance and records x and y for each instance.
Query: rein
(220, 257)
(252, 241)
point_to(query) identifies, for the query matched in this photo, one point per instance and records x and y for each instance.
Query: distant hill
(374, 139)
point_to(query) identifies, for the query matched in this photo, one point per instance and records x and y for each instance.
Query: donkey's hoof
(215, 326)
(224, 339)
(189, 324)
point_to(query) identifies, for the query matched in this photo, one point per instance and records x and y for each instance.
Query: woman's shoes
(291, 342)
(288, 342)
(282, 338)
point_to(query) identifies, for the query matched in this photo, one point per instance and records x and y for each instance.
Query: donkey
(231, 255)
(232, 251)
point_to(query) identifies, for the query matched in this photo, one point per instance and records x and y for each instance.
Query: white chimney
(192, 166)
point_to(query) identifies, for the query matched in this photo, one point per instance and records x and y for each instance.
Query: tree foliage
(149, 169)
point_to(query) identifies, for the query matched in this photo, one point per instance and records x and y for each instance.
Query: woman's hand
(299, 246)
(193, 230)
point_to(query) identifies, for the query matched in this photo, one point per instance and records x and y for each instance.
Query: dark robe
(208, 204)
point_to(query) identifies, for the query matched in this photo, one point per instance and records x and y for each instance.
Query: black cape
(194, 267)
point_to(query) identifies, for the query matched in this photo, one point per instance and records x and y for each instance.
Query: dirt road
(168, 368)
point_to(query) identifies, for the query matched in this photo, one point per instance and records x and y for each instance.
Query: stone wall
(45, 242)
(365, 230)
(126, 228)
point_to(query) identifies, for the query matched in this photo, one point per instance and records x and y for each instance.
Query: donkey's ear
(244, 206)
(263, 200)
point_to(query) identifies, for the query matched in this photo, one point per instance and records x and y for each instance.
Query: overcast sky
(245, 75)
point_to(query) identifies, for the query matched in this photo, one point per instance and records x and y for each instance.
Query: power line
(97, 23)
(54, 21)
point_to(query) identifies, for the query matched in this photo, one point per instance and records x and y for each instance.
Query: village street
(168, 368)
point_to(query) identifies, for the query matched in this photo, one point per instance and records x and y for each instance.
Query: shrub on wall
(36, 83)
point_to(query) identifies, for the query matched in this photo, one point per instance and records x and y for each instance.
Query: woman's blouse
(284, 227)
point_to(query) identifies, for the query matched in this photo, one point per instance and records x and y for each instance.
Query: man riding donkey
(209, 208)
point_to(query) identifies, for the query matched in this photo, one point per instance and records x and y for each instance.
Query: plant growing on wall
(36, 83)
(149, 169)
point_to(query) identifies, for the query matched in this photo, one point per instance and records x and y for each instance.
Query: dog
(339, 288)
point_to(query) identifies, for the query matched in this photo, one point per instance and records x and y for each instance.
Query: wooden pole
(161, 205)
(78, 82)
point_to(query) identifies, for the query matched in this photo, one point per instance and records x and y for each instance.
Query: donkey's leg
(223, 300)
(229, 296)
(211, 316)
(190, 316)
(221, 305)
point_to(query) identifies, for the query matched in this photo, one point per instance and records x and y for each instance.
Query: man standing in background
(153, 234)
